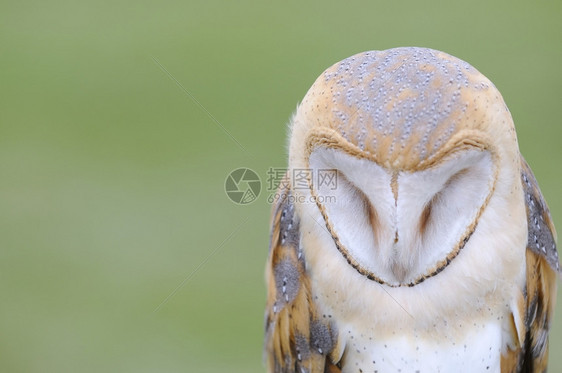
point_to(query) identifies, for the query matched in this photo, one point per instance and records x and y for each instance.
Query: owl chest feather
(479, 350)
(402, 336)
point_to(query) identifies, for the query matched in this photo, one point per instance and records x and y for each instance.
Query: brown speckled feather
(298, 339)
(540, 292)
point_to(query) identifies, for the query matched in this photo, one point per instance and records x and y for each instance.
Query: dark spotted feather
(540, 292)
(297, 338)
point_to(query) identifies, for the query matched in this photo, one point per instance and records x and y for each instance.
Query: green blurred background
(120, 251)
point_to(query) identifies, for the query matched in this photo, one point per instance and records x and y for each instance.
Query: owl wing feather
(298, 338)
(539, 295)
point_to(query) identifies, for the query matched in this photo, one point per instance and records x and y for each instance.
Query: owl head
(423, 150)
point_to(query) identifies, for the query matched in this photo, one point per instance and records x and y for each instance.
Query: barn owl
(409, 234)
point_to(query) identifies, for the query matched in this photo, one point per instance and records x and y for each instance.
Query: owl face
(418, 160)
